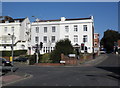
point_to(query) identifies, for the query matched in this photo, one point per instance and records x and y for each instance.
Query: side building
(17, 30)
(79, 31)
(96, 42)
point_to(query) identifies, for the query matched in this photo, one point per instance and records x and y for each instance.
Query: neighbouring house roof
(10, 19)
(65, 19)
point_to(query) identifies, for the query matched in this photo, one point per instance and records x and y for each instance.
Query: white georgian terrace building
(21, 29)
(78, 31)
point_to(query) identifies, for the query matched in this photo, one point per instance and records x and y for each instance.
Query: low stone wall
(75, 61)
(48, 64)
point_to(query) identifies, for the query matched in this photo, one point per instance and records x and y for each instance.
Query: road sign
(62, 62)
(71, 55)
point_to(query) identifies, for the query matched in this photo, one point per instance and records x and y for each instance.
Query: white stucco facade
(27, 35)
(78, 31)
(20, 28)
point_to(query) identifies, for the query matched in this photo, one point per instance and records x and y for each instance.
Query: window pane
(53, 29)
(67, 28)
(36, 39)
(75, 38)
(37, 29)
(66, 37)
(84, 38)
(45, 39)
(12, 29)
(45, 29)
(5, 29)
(53, 39)
(43, 49)
(85, 27)
(75, 28)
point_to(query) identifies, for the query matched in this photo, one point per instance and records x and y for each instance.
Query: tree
(109, 39)
(62, 46)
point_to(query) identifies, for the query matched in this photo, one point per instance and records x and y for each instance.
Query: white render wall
(20, 29)
(61, 33)
(41, 34)
(80, 34)
(3, 33)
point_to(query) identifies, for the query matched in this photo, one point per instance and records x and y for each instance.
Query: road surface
(103, 74)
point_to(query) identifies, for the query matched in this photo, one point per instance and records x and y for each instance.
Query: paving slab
(13, 77)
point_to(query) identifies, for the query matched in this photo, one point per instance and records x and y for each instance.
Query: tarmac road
(100, 75)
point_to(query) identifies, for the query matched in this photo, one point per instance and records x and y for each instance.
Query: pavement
(12, 77)
(97, 60)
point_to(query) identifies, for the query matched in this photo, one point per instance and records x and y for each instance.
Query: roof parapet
(91, 17)
(63, 18)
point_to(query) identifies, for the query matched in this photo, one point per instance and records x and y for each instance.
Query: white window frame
(75, 28)
(12, 29)
(45, 29)
(75, 38)
(67, 28)
(53, 29)
(85, 38)
(85, 28)
(36, 39)
(45, 39)
(5, 29)
(66, 36)
(53, 39)
(37, 29)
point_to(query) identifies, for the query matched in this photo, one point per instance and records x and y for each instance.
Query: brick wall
(118, 43)
(68, 60)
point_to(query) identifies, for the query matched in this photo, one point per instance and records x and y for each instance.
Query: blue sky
(105, 13)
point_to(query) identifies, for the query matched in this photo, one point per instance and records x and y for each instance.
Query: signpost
(36, 48)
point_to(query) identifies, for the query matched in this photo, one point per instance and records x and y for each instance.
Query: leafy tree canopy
(109, 39)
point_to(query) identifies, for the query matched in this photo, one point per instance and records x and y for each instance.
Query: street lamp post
(37, 51)
(84, 49)
(12, 38)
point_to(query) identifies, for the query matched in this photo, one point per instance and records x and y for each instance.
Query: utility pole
(12, 47)
(37, 53)
(37, 50)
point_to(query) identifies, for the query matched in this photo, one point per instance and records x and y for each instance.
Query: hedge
(16, 53)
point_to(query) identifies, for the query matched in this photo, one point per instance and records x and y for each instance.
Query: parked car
(102, 51)
(20, 59)
(5, 62)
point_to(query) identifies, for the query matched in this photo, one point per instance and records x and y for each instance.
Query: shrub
(45, 58)
(62, 46)
(16, 53)
(32, 59)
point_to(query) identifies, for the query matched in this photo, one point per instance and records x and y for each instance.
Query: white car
(102, 51)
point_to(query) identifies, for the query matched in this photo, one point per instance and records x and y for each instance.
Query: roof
(65, 19)
(10, 19)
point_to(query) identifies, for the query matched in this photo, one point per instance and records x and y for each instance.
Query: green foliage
(16, 53)
(20, 52)
(32, 59)
(45, 58)
(62, 46)
(110, 36)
